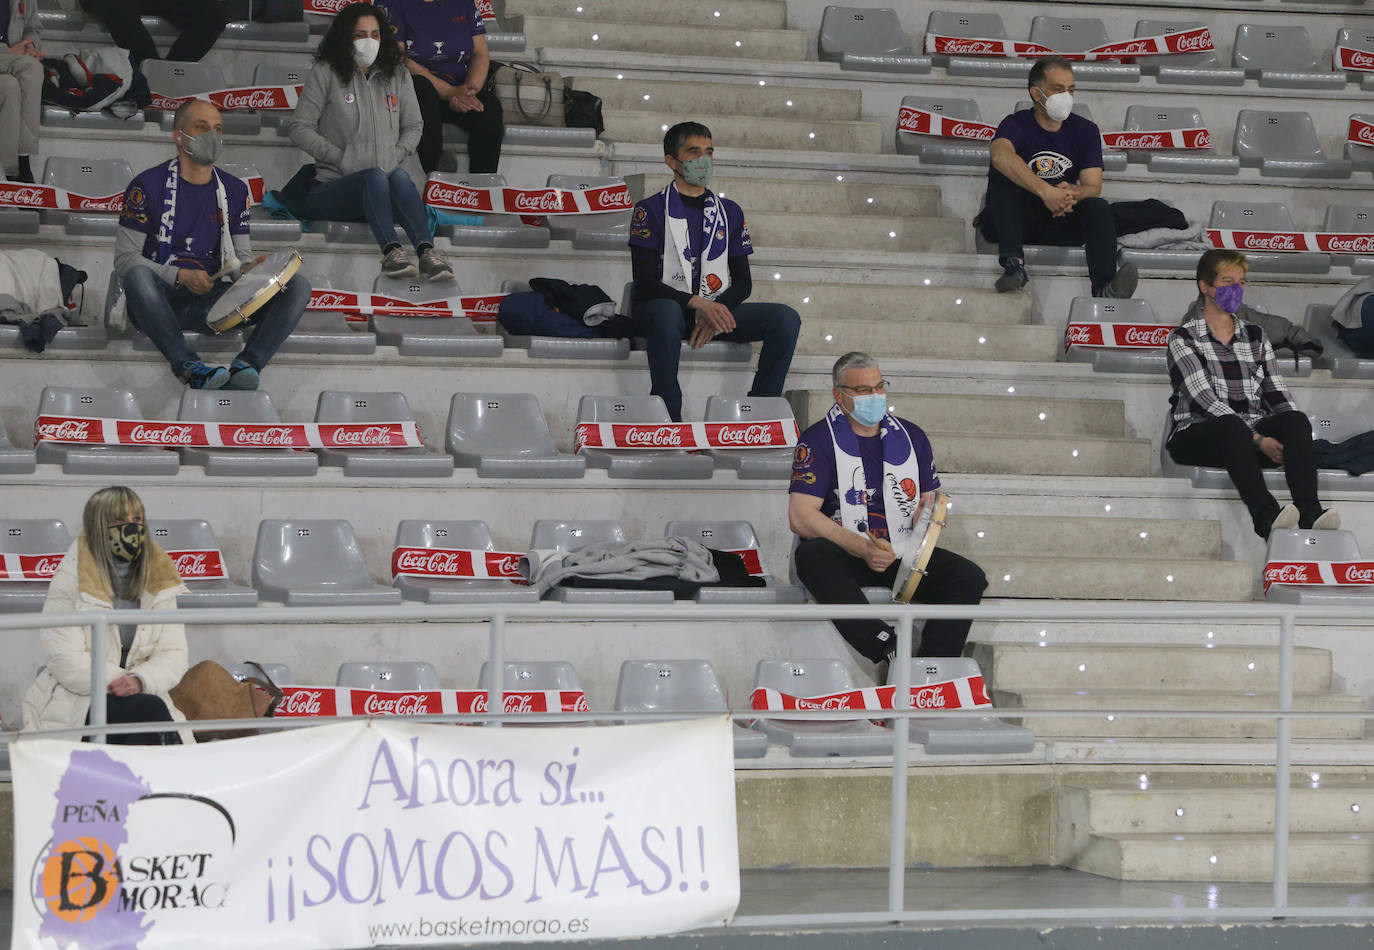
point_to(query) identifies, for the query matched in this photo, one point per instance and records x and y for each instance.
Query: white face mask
(1059, 106)
(365, 51)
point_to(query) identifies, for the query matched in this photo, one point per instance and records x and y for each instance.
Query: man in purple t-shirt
(1045, 186)
(848, 467)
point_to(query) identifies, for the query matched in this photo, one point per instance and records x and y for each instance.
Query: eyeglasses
(866, 390)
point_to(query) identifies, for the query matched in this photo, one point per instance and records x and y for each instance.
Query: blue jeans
(1360, 340)
(163, 312)
(382, 199)
(664, 324)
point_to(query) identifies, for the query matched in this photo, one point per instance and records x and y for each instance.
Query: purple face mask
(1229, 297)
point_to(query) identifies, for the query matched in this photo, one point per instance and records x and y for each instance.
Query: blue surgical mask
(697, 171)
(869, 410)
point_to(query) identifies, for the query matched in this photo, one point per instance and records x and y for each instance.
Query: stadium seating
(429, 336)
(314, 563)
(750, 463)
(1076, 34)
(1203, 68)
(1284, 144)
(388, 675)
(519, 676)
(280, 672)
(1283, 57)
(562, 347)
(454, 535)
(1335, 356)
(505, 435)
(964, 24)
(107, 460)
(554, 535)
(984, 735)
(496, 230)
(364, 407)
(194, 534)
(1164, 118)
(1264, 216)
(867, 38)
(817, 677)
(225, 406)
(733, 536)
(680, 686)
(14, 460)
(934, 150)
(93, 178)
(710, 351)
(638, 463)
(1297, 544)
(29, 536)
(606, 231)
(177, 80)
(1112, 360)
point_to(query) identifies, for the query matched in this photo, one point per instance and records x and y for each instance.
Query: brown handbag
(209, 691)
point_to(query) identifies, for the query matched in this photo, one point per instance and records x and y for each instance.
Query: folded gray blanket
(628, 560)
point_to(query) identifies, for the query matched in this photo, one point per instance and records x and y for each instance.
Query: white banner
(372, 833)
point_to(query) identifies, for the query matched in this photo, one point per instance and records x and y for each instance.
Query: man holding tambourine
(183, 257)
(866, 503)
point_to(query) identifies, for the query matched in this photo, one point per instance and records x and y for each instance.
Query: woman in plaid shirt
(1231, 408)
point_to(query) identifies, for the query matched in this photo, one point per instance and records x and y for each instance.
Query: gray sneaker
(1123, 283)
(398, 262)
(434, 266)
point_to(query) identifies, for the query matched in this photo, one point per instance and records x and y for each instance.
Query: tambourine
(252, 291)
(921, 545)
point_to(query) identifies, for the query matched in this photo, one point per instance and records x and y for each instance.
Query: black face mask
(126, 540)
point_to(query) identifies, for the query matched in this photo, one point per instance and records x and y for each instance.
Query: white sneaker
(1286, 518)
(1328, 520)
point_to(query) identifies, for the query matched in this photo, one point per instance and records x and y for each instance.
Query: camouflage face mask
(126, 540)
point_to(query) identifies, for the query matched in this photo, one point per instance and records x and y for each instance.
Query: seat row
(500, 435)
(319, 563)
(872, 39)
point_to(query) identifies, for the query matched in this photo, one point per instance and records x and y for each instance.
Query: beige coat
(61, 695)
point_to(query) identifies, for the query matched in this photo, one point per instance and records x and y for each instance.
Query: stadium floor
(776, 892)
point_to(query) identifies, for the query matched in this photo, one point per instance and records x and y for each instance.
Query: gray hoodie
(23, 24)
(1347, 309)
(372, 121)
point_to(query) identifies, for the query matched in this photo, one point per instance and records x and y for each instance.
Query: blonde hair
(115, 504)
(1212, 263)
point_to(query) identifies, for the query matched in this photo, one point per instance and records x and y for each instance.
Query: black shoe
(1013, 277)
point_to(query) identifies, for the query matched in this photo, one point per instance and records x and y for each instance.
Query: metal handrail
(496, 615)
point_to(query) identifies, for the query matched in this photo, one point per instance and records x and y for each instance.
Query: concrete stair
(855, 232)
(609, 33)
(750, 131)
(834, 337)
(859, 302)
(815, 197)
(724, 99)
(737, 14)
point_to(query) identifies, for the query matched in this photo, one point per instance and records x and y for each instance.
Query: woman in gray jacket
(358, 118)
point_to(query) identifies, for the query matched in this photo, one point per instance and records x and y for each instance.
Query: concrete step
(858, 302)
(833, 337)
(1312, 858)
(1022, 666)
(1214, 809)
(1008, 415)
(1008, 454)
(1180, 727)
(856, 232)
(815, 197)
(1029, 535)
(737, 14)
(608, 34)
(1117, 578)
(748, 131)
(759, 98)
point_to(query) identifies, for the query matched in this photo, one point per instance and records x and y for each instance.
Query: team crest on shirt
(806, 478)
(640, 214)
(392, 102)
(713, 283)
(1051, 166)
(802, 455)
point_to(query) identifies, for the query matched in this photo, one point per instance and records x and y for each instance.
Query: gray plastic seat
(93, 178)
(1203, 477)
(1201, 68)
(1076, 34)
(1284, 144)
(390, 676)
(1046, 255)
(606, 231)
(553, 535)
(541, 136)
(1336, 427)
(1350, 219)
(280, 672)
(461, 535)
(18, 220)
(713, 351)
(561, 347)
(985, 26)
(429, 336)
(1361, 157)
(263, 226)
(496, 230)
(327, 331)
(363, 407)
(638, 463)
(227, 406)
(278, 74)
(56, 117)
(261, 31)
(1357, 39)
(867, 38)
(1266, 216)
(986, 735)
(934, 150)
(734, 536)
(195, 534)
(14, 460)
(530, 676)
(178, 80)
(315, 563)
(1336, 357)
(1108, 360)
(1165, 118)
(83, 459)
(750, 463)
(681, 686)
(1282, 57)
(505, 435)
(818, 677)
(30, 536)
(1298, 544)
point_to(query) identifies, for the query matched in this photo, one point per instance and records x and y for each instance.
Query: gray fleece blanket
(629, 560)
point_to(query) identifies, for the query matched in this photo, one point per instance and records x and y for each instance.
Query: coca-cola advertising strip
(1357, 60)
(237, 99)
(207, 565)
(964, 692)
(1185, 41)
(1159, 139)
(309, 702)
(256, 435)
(921, 122)
(1322, 242)
(527, 201)
(753, 564)
(455, 562)
(356, 306)
(29, 567)
(1127, 335)
(386, 831)
(332, 7)
(1361, 131)
(1320, 573)
(769, 434)
(15, 194)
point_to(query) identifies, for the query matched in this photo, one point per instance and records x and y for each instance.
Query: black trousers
(485, 129)
(200, 23)
(1013, 217)
(1226, 442)
(140, 707)
(834, 576)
